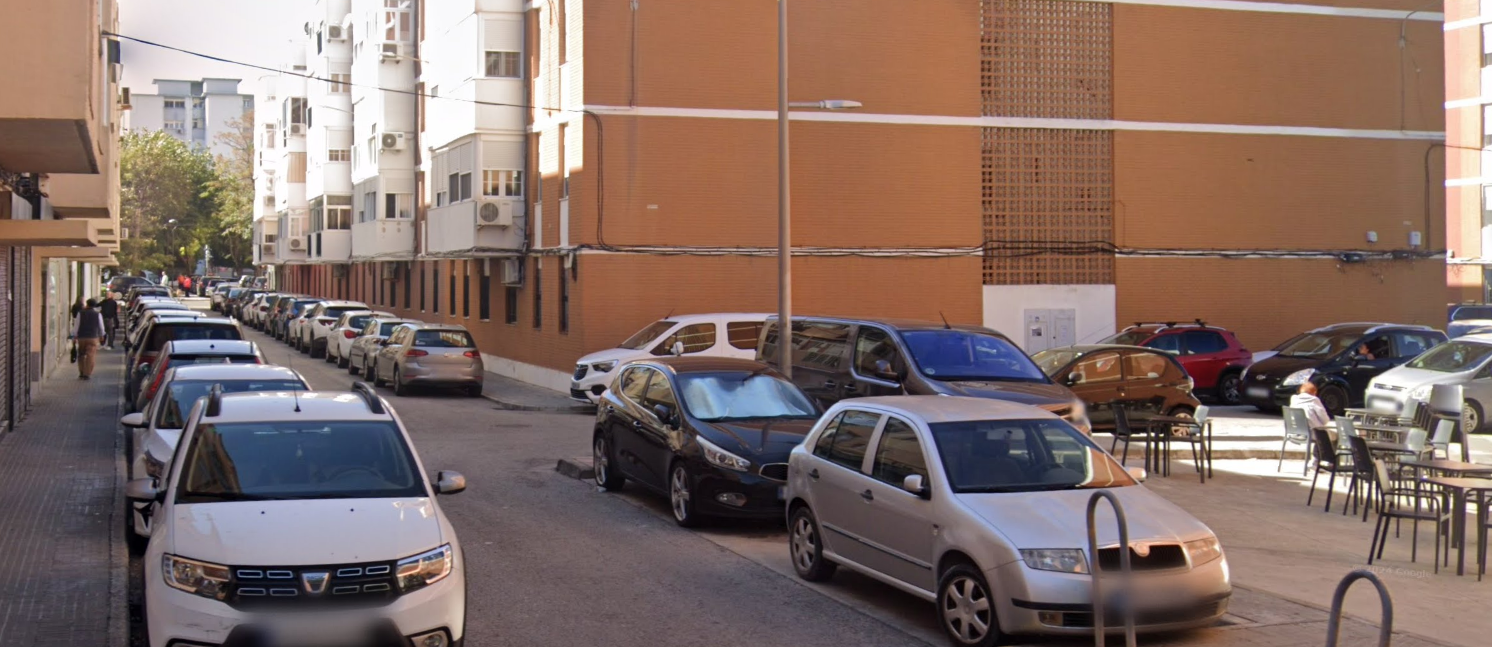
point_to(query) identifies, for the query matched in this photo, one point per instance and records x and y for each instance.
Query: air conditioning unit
(495, 213)
(297, 243)
(512, 271)
(391, 141)
(297, 129)
(336, 32)
(392, 51)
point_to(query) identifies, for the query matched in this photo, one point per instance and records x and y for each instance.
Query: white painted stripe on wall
(1024, 122)
(1283, 7)
(1466, 181)
(1467, 22)
(1467, 103)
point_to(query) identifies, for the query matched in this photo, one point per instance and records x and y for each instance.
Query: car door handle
(849, 387)
(813, 474)
(637, 423)
(829, 384)
(868, 495)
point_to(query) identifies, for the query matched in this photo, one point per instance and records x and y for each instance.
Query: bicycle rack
(1333, 624)
(1124, 570)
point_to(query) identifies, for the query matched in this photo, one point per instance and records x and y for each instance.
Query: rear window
(340, 310)
(194, 358)
(162, 334)
(1464, 313)
(358, 321)
(386, 329)
(443, 339)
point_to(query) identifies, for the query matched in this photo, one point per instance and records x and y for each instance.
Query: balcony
(81, 196)
(456, 229)
(331, 246)
(385, 239)
(49, 111)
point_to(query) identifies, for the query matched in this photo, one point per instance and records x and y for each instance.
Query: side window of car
(634, 383)
(826, 440)
(1140, 366)
(1412, 344)
(1170, 343)
(659, 391)
(743, 334)
(873, 345)
(820, 346)
(1201, 342)
(852, 439)
(696, 339)
(1379, 347)
(1097, 368)
(898, 454)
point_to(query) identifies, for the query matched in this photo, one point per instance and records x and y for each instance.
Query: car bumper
(1269, 394)
(720, 493)
(1043, 602)
(180, 619)
(413, 373)
(589, 388)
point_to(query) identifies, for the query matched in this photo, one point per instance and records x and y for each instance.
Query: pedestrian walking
(77, 307)
(88, 330)
(110, 310)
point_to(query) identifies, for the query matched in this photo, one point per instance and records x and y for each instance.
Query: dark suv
(1339, 359)
(1212, 356)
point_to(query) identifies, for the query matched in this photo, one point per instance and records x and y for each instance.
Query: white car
(153, 431)
(278, 512)
(312, 331)
(346, 330)
(1464, 361)
(367, 343)
(718, 335)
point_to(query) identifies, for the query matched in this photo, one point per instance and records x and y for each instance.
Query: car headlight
(721, 458)
(423, 570)
(602, 367)
(1061, 560)
(1299, 377)
(1204, 550)
(1420, 392)
(192, 576)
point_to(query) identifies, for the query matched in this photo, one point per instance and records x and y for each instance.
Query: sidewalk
(61, 577)
(512, 394)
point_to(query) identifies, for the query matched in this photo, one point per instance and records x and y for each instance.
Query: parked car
(711, 433)
(153, 431)
(258, 306)
(441, 355)
(297, 318)
(1466, 318)
(315, 328)
(345, 330)
(835, 359)
(1465, 361)
(273, 306)
(1212, 356)
(122, 283)
(287, 310)
(133, 333)
(980, 506)
(156, 334)
(717, 334)
(1134, 377)
(1330, 358)
(147, 378)
(329, 509)
(218, 294)
(369, 341)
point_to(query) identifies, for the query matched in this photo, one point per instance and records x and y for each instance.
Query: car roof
(441, 326)
(163, 304)
(938, 408)
(202, 320)
(717, 315)
(1478, 337)
(304, 405)
(1365, 327)
(1091, 348)
(704, 364)
(234, 372)
(342, 304)
(223, 346)
(895, 323)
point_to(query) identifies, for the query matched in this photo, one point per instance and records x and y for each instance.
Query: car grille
(1387, 387)
(580, 370)
(1161, 557)
(578, 394)
(1113, 618)
(774, 471)
(348, 585)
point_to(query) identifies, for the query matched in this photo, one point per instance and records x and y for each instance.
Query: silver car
(429, 355)
(1465, 360)
(980, 506)
(369, 340)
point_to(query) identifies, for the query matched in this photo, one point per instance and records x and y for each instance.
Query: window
(466, 289)
(465, 186)
(1200, 342)
(175, 125)
(502, 184)
(338, 155)
(435, 287)
(659, 392)
(564, 298)
(196, 124)
(340, 83)
(696, 339)
(405, 281)
(874, 345)
(1168, 343)
(634, 383)
(538, 296)
(484, 296)
(1100, 367)
(1145, 366)
(564, 193)
(339, 212)
(846, 444)
(175, 104)
(459, 186)
(510, 304)
(1411, 344)
(1379, 347)
(898, 455)
(422, 286)
(743, 334)
(503, 65)
(452, 288)
(820, 345)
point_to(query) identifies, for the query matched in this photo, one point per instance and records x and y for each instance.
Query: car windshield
(1319, 345)
(1129, 338)
(443, 339)
(1052, 360)
(1453, 357)
(734, 396)
(1472, 312)
(646, 336)
(965, 355)
(298, 459)
(181, 394)
(1023, 456)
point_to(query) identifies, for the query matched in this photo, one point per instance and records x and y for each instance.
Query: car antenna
(670, 313)
(295, 392)
(945, 321)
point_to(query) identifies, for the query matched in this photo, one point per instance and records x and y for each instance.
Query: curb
(576, 468)
(509, 406)
(119, 560)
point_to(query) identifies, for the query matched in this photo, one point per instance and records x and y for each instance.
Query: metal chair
(1329, 459)
(1441, 441)
(1123, 433)
(1297, 430)
(1345, 429)
(1363, 482)
(1399, 503)
(1446, 403)
(1195, 435)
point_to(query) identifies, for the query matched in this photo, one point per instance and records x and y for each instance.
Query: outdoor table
(1447, 467)
(1394, 433)
(1460, 488)
(1159, 429)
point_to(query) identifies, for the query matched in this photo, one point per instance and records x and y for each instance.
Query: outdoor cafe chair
(1297, 430)
(1441, 441)
(1327, 458)
(1446, 403)
(1361, 489)
(1123, 433)
(1397, 503)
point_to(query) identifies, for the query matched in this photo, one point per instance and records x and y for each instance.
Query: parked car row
(228, 456)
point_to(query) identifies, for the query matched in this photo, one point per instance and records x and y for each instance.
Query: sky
(252, 31)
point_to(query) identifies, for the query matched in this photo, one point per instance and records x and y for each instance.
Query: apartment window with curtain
(503, 65)
(466, 289)
(484, 292)
(339, 212)
(538, 296)
(338, 155)
(340, 83)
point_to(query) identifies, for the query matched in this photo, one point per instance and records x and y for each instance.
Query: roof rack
(214, 401)
(1170, 324)
(369, 396)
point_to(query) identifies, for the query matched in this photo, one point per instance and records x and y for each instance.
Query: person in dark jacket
(88, 329)
(110, 310)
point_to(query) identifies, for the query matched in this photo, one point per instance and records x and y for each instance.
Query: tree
(232, 191)
(161, 180)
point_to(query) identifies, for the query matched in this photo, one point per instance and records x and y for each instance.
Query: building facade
(194, 112)
(1468, 152)
(1053, 169)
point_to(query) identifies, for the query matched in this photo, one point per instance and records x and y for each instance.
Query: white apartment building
(195, 112)
(384, 146)
(266, 169)
(290, 181)
(329, 133)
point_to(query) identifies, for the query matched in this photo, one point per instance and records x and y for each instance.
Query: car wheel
(354, 369)
(1333, 398)
(681, 496)
(318, 352)
(373, 375)
(1230, 389)
(1471, 417)
(474, 391)
(400, 389)
(807, 547)
(342, 362)
(133, 540)
(607, 476)
(305, 348)
(965, 608)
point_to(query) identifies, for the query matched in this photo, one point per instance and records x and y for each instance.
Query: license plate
(781, 492)
(1258, 392)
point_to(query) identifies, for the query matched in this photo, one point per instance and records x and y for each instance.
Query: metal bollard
(1333, 624)
(1124, 570)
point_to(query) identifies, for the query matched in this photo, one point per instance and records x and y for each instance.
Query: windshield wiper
(227, 496)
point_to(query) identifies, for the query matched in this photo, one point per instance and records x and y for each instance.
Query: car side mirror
(448, 482)
(913, 483)
(884, 371)
(664, 413)
(677, 348)
(1073, 379)
(133, 421)
(1136, 473)
(143, 490)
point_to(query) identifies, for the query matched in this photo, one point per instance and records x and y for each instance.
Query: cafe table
(1159, 430)
(1461, 488)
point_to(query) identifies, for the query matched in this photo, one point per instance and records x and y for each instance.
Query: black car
(158, 334)
(712, 433)
(1339, 359)
(836, 358)
(122, 283)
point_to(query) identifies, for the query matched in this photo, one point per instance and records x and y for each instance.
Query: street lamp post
(784, 197)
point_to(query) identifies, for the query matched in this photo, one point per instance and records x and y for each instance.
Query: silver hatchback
(429, 355)
(980, 506)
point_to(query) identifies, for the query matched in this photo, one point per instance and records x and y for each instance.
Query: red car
(1212, 356)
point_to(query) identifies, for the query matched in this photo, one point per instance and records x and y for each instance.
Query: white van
(721, 334)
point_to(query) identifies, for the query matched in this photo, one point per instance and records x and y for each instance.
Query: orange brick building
(1098, 162)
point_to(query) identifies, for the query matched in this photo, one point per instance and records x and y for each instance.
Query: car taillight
(156, 383)
(324, 322)
(471, 354)
(415, 352)
(349, 334)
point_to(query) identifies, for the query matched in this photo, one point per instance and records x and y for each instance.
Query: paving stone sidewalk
(61, 574)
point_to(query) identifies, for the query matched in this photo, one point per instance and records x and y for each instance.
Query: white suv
(727, 334)
(303, 516)
(309, 334)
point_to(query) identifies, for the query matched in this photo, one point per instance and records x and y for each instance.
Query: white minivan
(721, 334)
